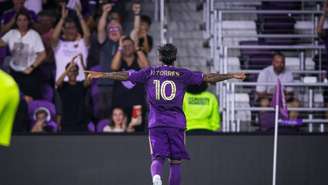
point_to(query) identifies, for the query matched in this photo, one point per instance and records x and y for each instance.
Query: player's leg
(175, 172)
(159, 149)
(178, 153)
(156, 170)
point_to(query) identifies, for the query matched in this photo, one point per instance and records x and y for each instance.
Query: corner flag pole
(277, 101)
(275, 148)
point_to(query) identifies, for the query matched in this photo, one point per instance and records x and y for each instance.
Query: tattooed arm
(216, 77)
(120, 76)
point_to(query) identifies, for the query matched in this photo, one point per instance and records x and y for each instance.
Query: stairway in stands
(269, 24)
(184, 31)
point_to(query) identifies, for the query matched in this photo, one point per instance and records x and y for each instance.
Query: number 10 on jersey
(161, 87)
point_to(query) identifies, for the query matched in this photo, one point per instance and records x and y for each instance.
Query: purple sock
(175, 174)
(156, 167)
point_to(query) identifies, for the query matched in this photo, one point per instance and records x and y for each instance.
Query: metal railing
(208, 13)
(219, 54)
(219, 19)
(222, 67)
(231, 123)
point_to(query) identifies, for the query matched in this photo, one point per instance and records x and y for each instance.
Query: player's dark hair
(167, 54)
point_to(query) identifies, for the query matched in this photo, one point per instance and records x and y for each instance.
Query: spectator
(201, 109)
(72, 99)
(270, 74)
(70, 43)
(126, 94)
(8, 21)
(28, 53)
(44, 25)
(108, 37)
(140, 32)
(42, 121)
(8, 17)
(324, 36)
(118, 122)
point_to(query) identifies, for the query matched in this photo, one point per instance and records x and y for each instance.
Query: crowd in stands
(46, 46)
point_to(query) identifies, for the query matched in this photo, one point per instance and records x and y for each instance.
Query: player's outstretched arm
(216, 77)
(120, 76)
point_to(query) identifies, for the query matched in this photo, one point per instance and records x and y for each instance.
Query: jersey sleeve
(193, 77)
(139, 76)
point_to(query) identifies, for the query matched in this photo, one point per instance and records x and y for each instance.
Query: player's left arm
(120, 75)
(216, 77)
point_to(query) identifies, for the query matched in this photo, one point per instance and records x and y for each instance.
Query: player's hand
(239, 75)
(93, 74)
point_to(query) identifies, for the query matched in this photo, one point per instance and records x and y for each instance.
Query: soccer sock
(175, 174)
(156, 167)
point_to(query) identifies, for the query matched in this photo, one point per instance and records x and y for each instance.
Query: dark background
(124, 160)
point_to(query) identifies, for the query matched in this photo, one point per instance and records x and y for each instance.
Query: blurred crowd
(46, 45)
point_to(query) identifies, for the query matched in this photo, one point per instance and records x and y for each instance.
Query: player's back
(165, 89)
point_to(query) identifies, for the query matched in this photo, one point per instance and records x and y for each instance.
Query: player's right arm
(216, 77)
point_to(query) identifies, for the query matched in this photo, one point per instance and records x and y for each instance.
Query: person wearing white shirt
(67, 42)
(270, 74)
(27, 53)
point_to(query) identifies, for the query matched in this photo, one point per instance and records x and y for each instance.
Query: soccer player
(9, 98)
(165, 89)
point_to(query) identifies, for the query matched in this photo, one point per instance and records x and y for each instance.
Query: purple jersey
(165, 88)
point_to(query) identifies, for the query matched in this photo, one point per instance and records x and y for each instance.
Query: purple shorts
(167, 142)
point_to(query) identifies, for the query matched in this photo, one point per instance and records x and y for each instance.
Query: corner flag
(279, 99)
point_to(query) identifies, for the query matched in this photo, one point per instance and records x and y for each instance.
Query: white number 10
(160, 90)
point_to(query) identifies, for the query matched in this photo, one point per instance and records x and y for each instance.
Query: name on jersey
(165, 73)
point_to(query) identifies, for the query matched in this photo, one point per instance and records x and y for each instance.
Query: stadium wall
(124, 160)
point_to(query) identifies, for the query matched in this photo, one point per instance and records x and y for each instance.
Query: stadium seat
(243, 100)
